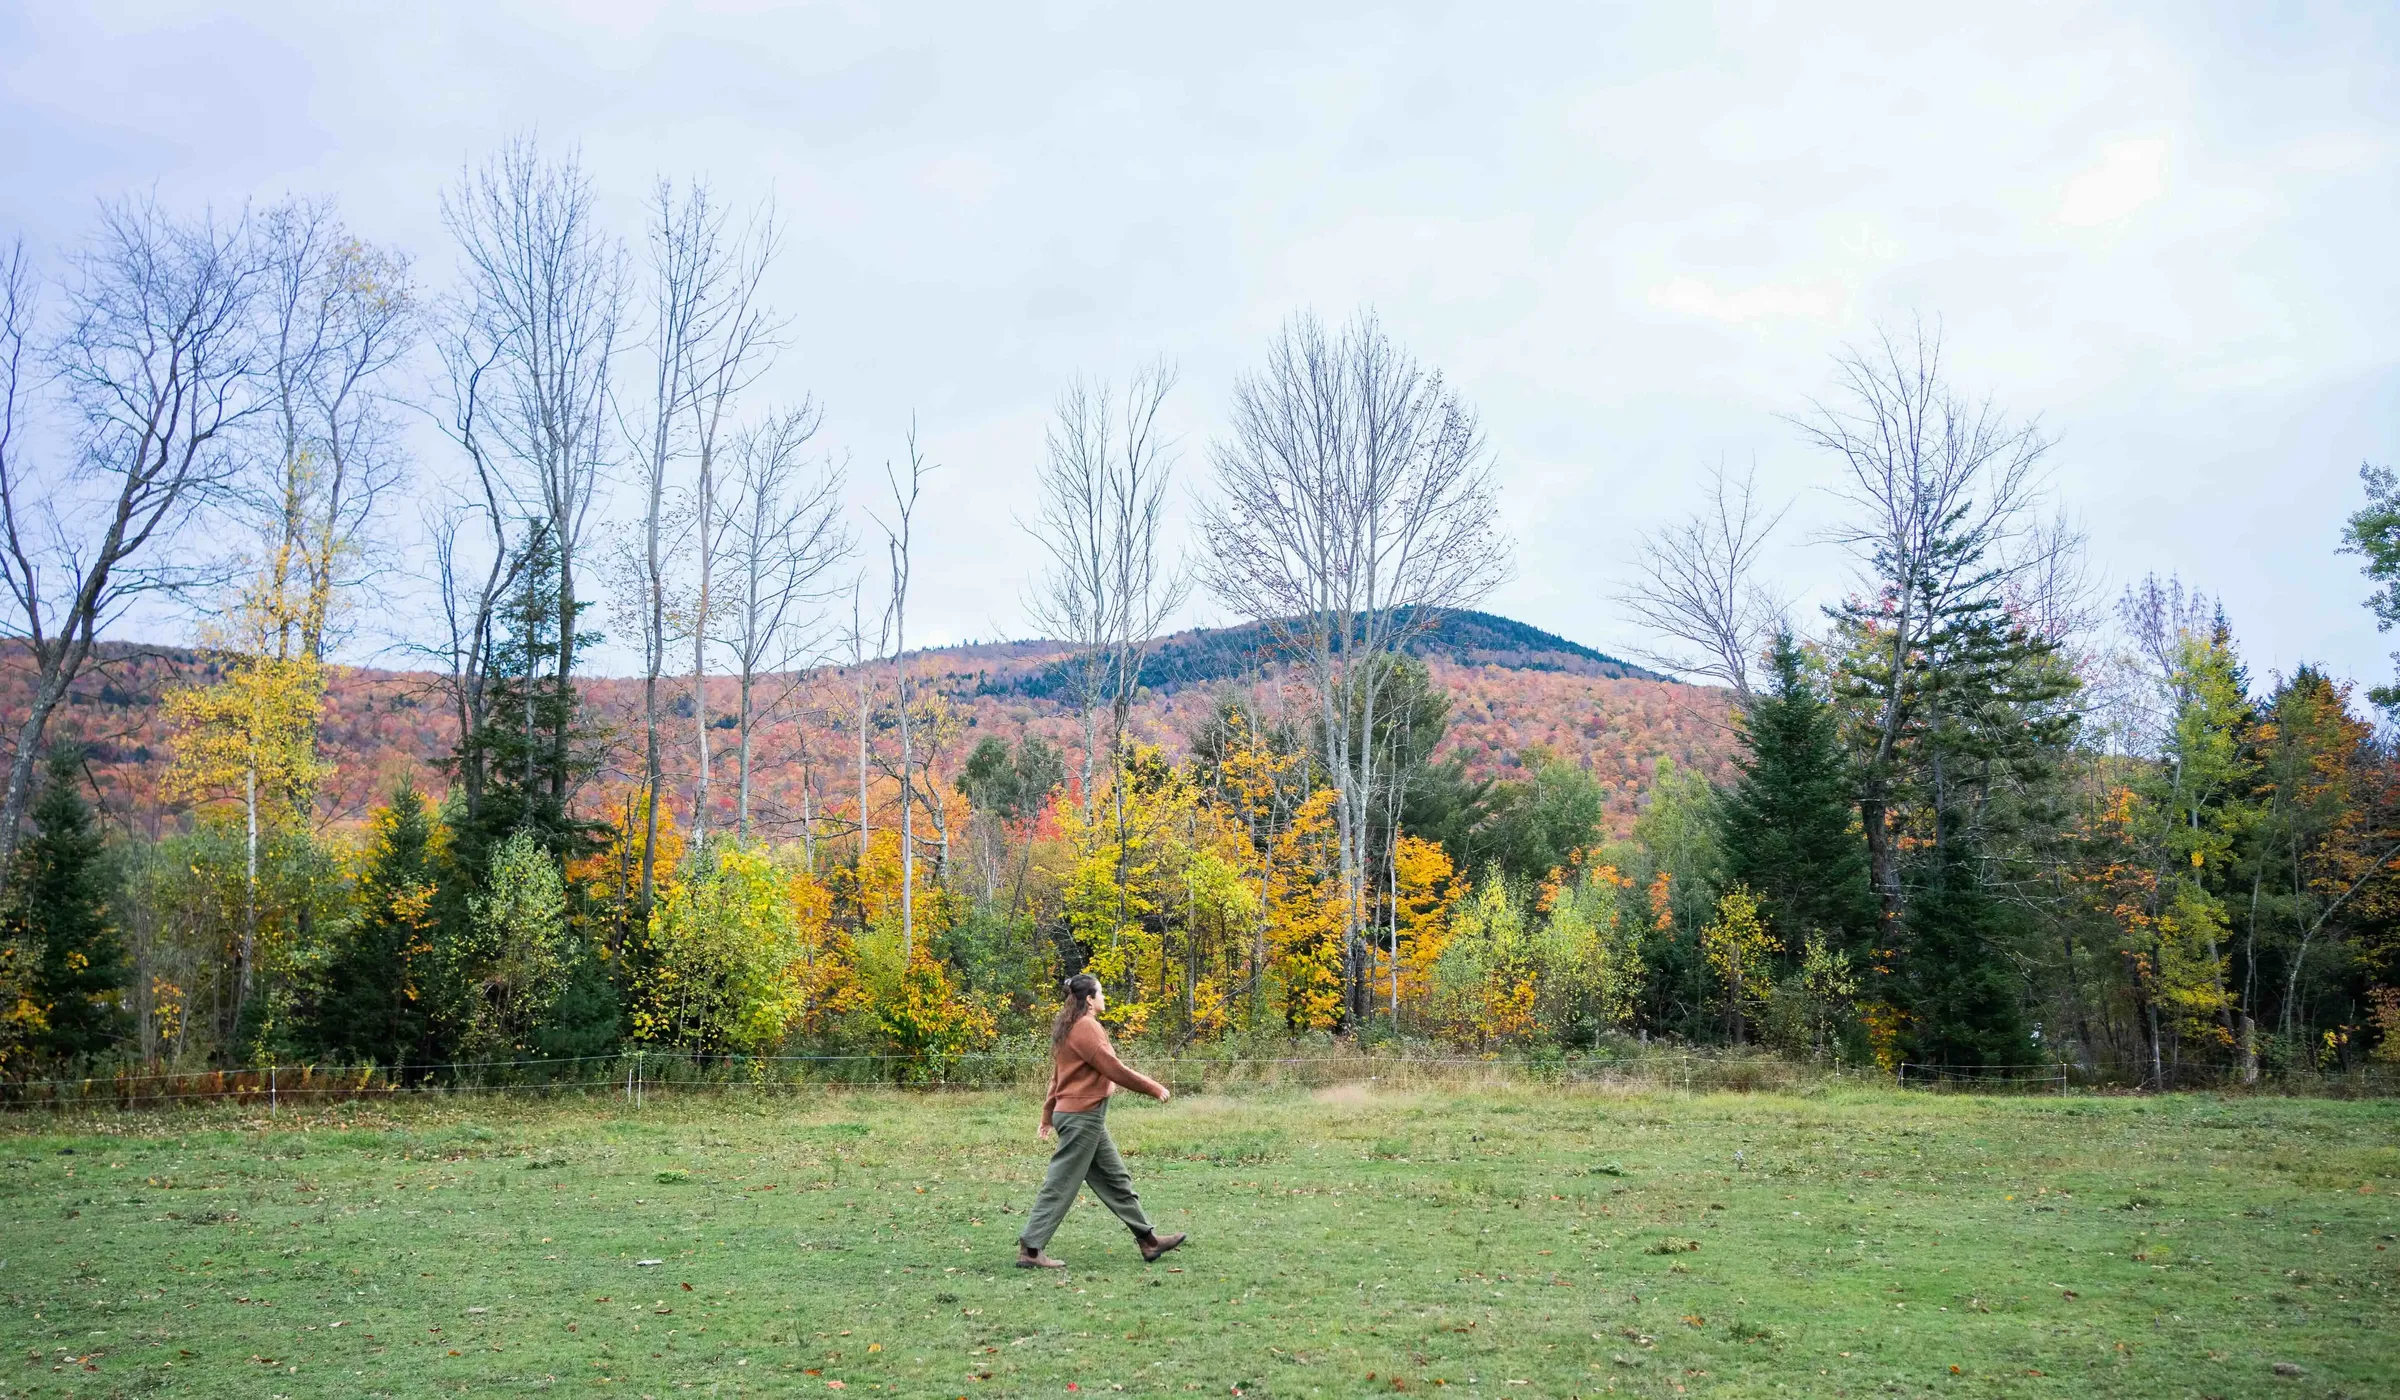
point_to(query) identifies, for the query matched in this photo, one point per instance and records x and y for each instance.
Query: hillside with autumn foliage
(1513, 690)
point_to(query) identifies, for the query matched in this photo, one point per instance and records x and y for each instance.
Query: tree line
(1983, 818)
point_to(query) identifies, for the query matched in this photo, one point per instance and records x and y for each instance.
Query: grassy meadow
(1497, 1242)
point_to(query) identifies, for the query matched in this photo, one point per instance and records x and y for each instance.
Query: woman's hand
(1043, 1132)
(1165, 1093)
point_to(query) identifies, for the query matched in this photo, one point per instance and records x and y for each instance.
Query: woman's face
(1099, 1001)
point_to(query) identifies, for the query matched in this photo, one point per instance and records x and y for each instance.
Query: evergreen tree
(375, 1005)
(60, 914)
(1963, 1003)
(520, 769)
(1787, 822)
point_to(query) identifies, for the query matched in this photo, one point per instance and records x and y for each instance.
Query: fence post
(270, 1088)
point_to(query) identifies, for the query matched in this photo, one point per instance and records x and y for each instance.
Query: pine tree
(60, 914)
(376, 1005)
(1787, 821)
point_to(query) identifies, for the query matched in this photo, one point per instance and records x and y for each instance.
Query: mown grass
(1500, 1242)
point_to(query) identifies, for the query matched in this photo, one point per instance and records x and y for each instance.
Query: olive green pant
(1085, 1157)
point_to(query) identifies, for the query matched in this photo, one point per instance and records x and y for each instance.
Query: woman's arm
(1091, 1044)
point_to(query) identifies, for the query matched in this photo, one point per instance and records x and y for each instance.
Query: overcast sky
(1632, 242)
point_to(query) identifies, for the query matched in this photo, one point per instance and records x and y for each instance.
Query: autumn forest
(1981, 817)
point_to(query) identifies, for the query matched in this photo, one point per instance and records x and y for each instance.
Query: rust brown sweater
(1085, 1070)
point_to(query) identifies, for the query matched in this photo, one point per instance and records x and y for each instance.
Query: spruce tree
(1964, 1004)
(59, 912)
(376, 1005)
(1788, 820)
(521, 767)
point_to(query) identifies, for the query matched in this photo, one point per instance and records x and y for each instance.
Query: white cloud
(2127, 177)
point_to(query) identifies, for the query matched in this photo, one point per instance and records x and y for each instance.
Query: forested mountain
(1206, 655)
(1514, 688)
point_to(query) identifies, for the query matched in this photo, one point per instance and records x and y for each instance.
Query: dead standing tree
(158, 363)
(1355, 506)
(683, 239)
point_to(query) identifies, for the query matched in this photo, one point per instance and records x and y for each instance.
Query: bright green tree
(506, 964)
(724, 970)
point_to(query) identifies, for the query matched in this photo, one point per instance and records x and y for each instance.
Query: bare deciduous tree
(474, 564)
(1355, 505)
(862, 700)
(784, 531)
(340, 317)
(1941, 489)
(899, 538)
(1699, 585)
(738, 338)
(1110, 587)
(158, 362)
(682, 237)
(545, 298)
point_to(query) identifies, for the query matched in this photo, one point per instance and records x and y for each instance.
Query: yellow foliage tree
(1736, 944)
(1159, 887)
(1425, 886)
(610, 878)
(1591, 960)
(1306, 908)
(926, 1020)
(1486, 982)
(251, 736)
(732, 964)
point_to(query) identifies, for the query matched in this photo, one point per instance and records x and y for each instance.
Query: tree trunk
(47, 692)
(742, 817)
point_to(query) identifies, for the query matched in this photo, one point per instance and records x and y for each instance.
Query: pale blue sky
(1633, 242)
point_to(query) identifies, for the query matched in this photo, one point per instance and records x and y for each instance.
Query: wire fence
(637, 1076)
(1985, 1079)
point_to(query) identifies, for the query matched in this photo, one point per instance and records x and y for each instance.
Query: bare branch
(1699, 585)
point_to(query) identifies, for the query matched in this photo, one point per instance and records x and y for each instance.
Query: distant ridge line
(1203, 655)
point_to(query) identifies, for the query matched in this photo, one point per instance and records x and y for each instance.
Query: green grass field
(1519, 1242)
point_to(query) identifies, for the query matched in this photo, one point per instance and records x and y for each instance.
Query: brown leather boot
(1153, 1246)
(1030, 1258)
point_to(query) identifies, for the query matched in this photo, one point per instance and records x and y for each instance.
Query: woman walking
(1084, 1071)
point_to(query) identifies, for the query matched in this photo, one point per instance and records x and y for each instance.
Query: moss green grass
(1516, 1242)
